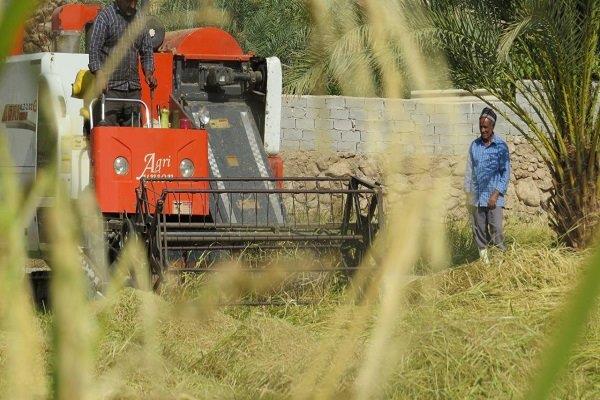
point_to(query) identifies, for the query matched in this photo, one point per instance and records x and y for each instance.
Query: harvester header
(199, 169)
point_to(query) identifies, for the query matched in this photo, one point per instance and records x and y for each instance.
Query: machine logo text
(153, 166)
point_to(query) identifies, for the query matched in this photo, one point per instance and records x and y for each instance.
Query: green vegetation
(539, 58)
(269, 28)
(489, 44)
(555, 45)
(471, 331)
(357, 48)
(458, 329)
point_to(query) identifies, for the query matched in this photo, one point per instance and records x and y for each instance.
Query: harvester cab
(202, 172)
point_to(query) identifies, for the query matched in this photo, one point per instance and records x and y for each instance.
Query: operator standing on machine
(124, 81)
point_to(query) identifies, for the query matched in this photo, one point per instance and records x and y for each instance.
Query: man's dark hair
(489, 114)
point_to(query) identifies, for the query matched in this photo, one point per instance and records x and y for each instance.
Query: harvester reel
(306, 213)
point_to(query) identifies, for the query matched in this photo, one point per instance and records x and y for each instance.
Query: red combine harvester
(210, 179)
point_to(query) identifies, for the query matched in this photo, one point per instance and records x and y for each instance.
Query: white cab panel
(273, 106)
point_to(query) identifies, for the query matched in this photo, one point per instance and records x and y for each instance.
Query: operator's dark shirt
(109, 27)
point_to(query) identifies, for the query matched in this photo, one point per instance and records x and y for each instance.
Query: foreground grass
(479, 331)
(469, 331)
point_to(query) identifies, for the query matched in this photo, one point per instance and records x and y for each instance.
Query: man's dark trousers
(487, 226)
(118, 113)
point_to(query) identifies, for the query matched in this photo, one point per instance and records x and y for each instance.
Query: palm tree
(268, 27)
(348, 54)
(554, 44)
(540, 58)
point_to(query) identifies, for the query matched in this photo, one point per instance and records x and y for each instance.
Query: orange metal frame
(205, 44)
(163, 71)
(74, 17)
(156, 152)
(18, 41)
(209, 43)
(151, 153)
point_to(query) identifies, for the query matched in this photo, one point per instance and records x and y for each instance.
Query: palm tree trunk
(575, 207)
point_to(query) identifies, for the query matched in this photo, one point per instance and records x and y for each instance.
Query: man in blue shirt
(486, 182)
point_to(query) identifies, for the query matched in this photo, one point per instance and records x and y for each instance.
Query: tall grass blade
(13, 16)
(22, 372)
(73, 328)
(571, 324)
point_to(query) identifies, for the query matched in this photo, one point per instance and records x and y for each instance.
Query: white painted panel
(19, 107)
(62, 70)
(273, 106)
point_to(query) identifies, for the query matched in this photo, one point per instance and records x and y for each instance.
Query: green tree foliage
(179, 14)
(336, 51)
(354, 49)
(266, 28)
(269, 27)
(555, 45)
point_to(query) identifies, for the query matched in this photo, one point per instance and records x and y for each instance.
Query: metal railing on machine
(184, 215)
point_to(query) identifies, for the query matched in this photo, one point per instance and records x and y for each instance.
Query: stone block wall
(438, 125)
(334, 135)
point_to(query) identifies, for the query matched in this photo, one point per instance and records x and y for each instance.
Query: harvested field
(468, 331)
